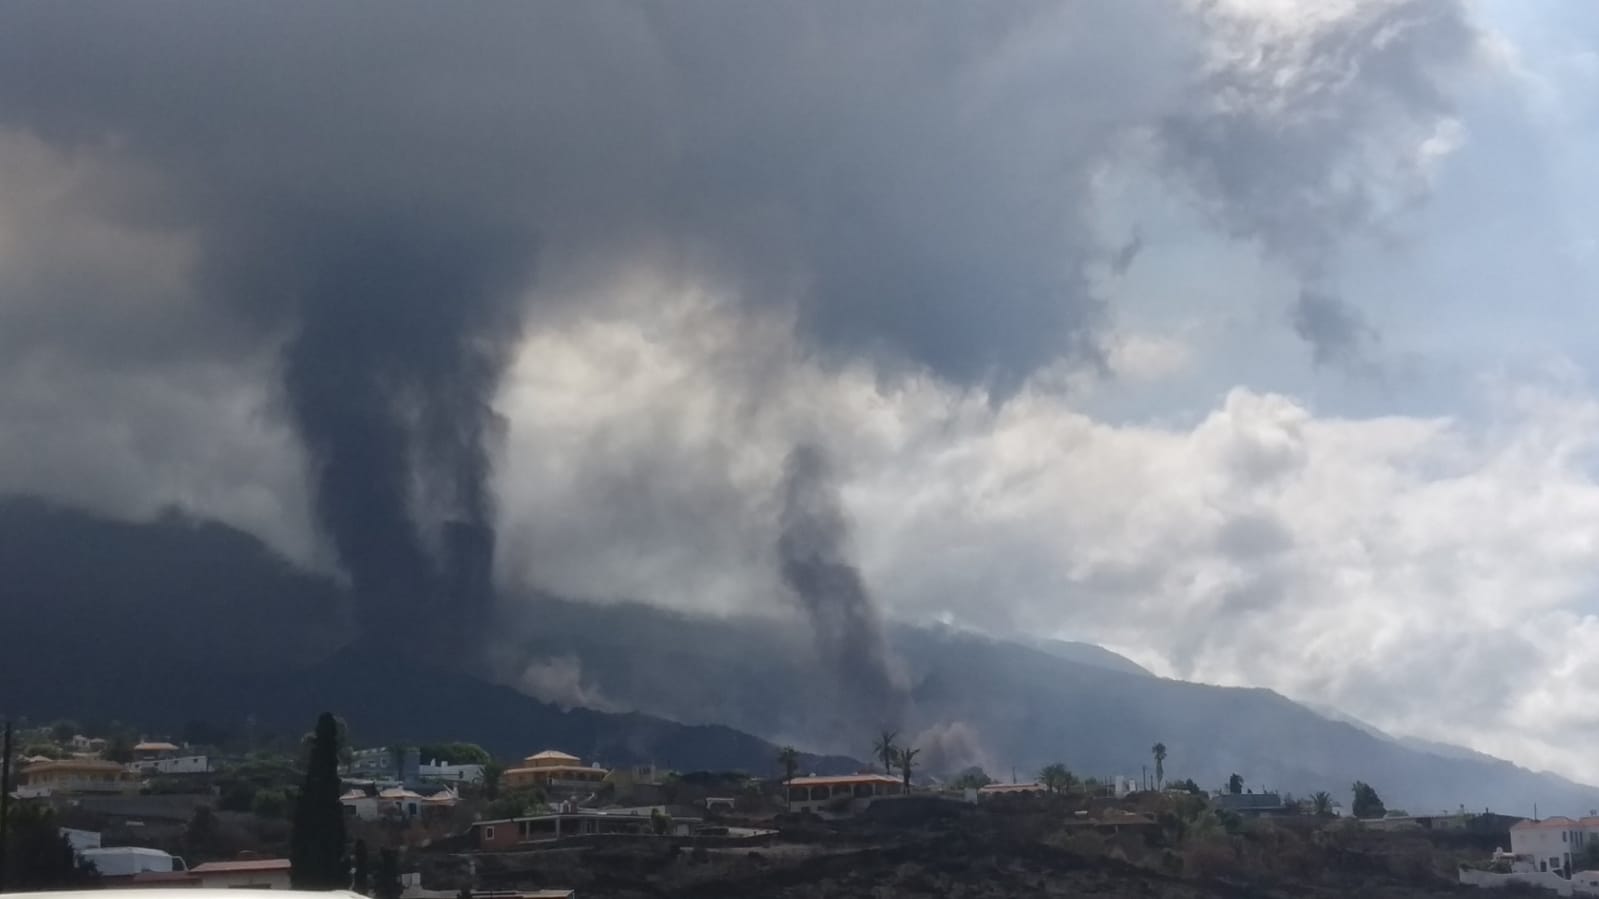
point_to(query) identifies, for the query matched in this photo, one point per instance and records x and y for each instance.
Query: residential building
(379, 763)
(255, 874)
(394, 802)
(80, 743)
(172, 765)
(1550, 843)
(438, 771)
(73, 777)
(513, 833)
(552, 770)
(843, 793)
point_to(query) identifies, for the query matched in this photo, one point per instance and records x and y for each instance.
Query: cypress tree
(316, 847)
(387, 885)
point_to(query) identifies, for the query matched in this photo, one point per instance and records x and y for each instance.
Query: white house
(436, 770)
(179, 764)
(1551, 844)
(842, 794)
(395, 801)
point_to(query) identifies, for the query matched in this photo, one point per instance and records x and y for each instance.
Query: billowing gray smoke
(403, 329)
(362, 185)
(813, 550)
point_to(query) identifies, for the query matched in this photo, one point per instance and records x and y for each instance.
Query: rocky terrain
(1026, 848)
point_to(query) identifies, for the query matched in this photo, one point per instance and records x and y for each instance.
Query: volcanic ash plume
(812, 548)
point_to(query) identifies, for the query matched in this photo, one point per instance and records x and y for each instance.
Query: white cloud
(1430, 575)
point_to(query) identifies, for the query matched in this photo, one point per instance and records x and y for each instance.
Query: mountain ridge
(162, 600)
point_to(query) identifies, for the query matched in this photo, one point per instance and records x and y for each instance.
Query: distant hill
(1087, 654)
(179, 619)
(1004, 705)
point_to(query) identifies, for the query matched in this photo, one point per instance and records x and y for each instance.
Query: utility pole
(5, 801)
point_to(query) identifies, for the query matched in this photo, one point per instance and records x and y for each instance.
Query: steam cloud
(813, 549)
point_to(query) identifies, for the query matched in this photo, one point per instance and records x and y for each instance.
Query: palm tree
(1159, 751)
(1056, 778)
(1321, 804)
(905, 758)
(789, 759)
(885, 750)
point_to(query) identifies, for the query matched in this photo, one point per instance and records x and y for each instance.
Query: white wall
(452, 773)
(1548, 847)
(182, 764)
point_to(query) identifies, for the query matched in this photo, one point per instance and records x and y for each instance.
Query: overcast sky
(1254, 339)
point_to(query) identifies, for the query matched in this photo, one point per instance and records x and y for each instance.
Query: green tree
(517, 803)
(387, 883)
(1367, 803)
(1235, 784)
(38, 854)
(1189, 786)
(905, 758)
(1321, 805)
(118, 747)
(1056, 778)
(1159, 752)
(64, 730)
(884, 749)
(788, 757)
(455, 753)
(269, 803)
(491, 779)
(360, 874)
(201, 836)
(316, 844)
(346, 747)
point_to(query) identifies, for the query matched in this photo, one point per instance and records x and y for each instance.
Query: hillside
(1003, 705)
(164, 623)
(178, 619)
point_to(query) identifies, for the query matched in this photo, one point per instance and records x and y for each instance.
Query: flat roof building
(841, 793)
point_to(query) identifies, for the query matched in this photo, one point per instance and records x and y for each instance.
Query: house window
(1564, 835)
(488, 834)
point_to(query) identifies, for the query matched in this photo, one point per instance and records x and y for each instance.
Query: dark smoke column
(812, 548)
(403, 335)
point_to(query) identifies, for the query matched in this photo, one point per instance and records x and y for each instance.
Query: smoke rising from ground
(813, 549)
